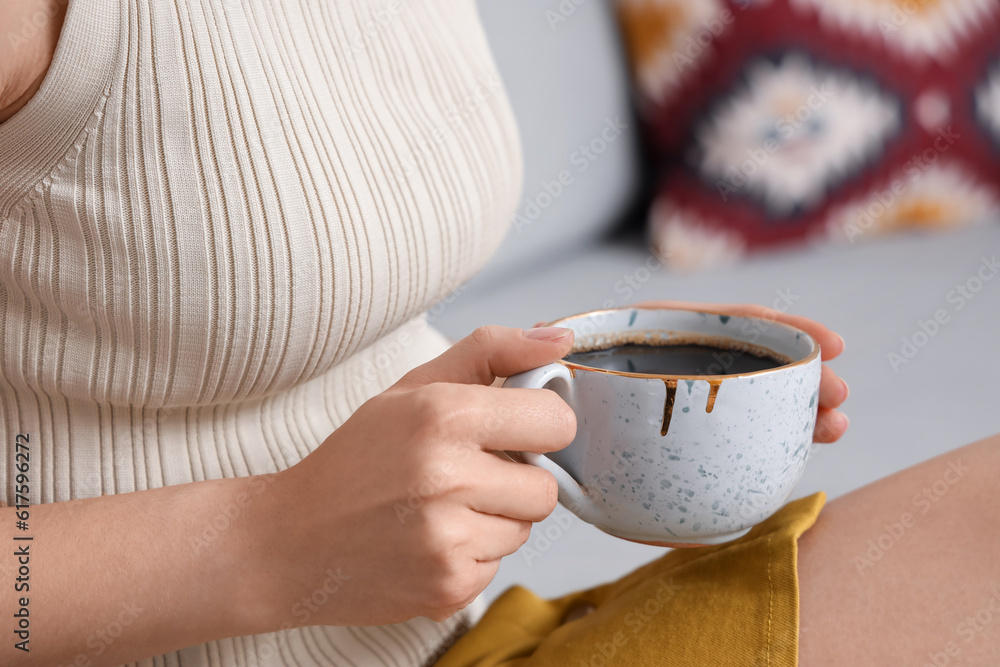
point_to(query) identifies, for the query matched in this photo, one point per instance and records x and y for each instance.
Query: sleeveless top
(221, 222)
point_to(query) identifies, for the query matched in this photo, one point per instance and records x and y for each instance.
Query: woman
(214, 269)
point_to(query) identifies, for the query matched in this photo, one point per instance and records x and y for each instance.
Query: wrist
(243, 519)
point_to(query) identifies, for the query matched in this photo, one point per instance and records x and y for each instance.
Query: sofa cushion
(780, 121)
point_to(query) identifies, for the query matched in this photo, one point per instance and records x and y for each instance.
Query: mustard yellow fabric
(731, 604)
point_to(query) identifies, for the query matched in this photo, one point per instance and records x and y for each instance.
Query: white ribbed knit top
(220, 222)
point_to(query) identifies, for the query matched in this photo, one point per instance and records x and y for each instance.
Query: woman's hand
(830, 423)
(403, 511)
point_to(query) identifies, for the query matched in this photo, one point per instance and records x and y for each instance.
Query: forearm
(161, 569)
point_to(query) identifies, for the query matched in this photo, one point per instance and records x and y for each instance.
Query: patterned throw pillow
(779, 121)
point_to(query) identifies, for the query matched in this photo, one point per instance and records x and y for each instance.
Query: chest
(267, 188)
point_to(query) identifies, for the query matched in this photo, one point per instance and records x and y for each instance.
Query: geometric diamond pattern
(934, 29)
(776, 121)
(792, 130)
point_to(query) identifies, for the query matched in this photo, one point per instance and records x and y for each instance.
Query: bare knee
(891, 572)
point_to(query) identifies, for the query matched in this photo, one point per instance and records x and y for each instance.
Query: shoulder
(29, 32)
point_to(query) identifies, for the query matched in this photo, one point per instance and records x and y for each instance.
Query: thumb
(491, 352)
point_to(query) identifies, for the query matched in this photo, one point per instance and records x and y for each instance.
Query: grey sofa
(567, 81)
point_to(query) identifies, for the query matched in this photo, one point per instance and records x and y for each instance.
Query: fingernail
(843, 345)
(847, 390)
(547, 333)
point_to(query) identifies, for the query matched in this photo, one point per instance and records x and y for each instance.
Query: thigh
(906, 571)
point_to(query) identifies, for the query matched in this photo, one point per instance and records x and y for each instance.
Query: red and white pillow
(780, 121)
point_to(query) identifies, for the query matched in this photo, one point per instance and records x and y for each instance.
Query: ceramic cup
(674, 459)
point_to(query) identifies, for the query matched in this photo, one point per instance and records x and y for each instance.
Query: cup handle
(556, 377)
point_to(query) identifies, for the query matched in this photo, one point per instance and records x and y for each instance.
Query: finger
(832, 390)
(831, 344)
(498, 536)
(492, 352)
(525, 420)
(830, 425)
(512, 490)
(484, 571)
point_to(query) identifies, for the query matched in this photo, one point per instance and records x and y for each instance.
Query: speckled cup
(674, 459)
